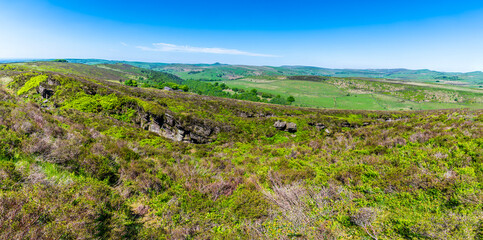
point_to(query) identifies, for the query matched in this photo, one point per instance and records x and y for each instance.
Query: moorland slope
(83, 156)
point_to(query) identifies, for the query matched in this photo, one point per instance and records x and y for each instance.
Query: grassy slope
(80, 166)
(102, 73)
(366, 94)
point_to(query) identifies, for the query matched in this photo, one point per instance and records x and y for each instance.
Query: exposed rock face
(44, 92)
(284, 126)
(46, 89)
(171, 128)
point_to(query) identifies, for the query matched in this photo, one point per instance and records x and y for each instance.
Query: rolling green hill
(230, 72)
(368, 94)
(308, 90)
(83, 156)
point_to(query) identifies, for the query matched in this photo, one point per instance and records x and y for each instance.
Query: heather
(87, 157)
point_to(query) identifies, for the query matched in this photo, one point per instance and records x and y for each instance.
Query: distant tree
(279, 100)
(132, 83)
(184, 88)
(267, 95)
(254, 91)
(60, 60)
(291, 99)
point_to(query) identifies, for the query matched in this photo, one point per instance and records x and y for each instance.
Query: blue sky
(439, 35)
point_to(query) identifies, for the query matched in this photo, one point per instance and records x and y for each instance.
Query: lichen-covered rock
(291, 127)
(169, 120)
(202, 130)
(153, 127)
(280, 125)
(195, 138)
(284, 126)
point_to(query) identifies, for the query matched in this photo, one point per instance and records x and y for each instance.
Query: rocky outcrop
(45, 92)
(254, 115)
(171, 128)
(46, 89)
(284, 126)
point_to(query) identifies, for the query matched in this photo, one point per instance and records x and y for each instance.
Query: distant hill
(230, 72)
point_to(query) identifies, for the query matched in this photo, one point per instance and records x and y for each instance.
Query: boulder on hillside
(284, 126)
(280, 125)
(291, 127)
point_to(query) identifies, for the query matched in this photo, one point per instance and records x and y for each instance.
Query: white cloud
(166, 47)
(124, 44)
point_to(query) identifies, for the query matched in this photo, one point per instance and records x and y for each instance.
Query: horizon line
(20, 60)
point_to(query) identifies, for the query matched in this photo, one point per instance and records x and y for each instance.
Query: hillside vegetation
(83, 156)
(305, 91)
(230, 72)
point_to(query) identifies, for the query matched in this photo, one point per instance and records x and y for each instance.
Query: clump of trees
(130, 82)
(60, 60)
(217, 90)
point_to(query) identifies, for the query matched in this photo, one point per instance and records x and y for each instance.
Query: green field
(332, 94)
